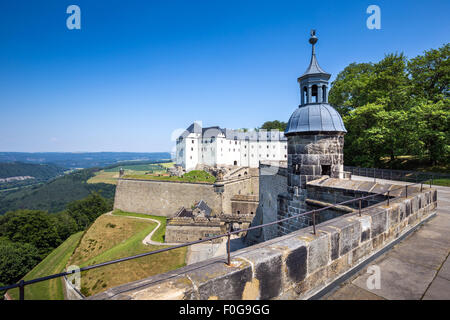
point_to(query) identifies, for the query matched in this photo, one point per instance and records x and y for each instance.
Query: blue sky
(138, 70)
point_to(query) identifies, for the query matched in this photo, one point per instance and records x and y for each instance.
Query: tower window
(326, 170)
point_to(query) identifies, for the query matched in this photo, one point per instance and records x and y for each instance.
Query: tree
(385, 82)
(16, 260)
(274, 125)
(430, 74)
(30, 226)
(85, 211)
(348, 90)
(431, 122)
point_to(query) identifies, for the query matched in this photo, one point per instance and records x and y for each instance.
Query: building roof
(314, 69)
(208, 132)
(315, 118)
(190, 213)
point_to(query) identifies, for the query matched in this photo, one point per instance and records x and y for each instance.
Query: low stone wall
(71, 293)
(165, 198)
(294, 266)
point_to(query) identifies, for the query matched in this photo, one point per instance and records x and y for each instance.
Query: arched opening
(235, 163)
(314, 92)
(324, 94)
(305, 95)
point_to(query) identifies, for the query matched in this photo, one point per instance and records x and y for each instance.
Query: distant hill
(72, 160)
(20, 174)
(53, 196)
(38, 171)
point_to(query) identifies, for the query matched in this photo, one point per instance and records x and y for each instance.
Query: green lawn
(113, 237)
(192, 176)
(441, 182)
(55, 262)
(158, 236)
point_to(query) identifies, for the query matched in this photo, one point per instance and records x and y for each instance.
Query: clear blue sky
(137, 70)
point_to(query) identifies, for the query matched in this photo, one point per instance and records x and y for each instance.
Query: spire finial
(313, 40)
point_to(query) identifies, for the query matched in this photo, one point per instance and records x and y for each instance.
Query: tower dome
(314, 113)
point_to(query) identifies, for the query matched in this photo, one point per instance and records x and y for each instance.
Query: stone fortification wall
(294, 266)
(163, 198)
(273, 181)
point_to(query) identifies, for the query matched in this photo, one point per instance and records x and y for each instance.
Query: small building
(194, 224)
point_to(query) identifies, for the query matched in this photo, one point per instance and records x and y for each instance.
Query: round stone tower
(315, 134)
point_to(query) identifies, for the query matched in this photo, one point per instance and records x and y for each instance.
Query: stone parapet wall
(294, 266)
(190, 233)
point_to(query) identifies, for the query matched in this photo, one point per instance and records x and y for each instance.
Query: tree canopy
(395, 107)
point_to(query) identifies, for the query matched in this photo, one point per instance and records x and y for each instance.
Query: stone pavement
(417, 268)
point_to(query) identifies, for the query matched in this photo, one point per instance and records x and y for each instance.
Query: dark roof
(184, 213)
(189, 213)
(315, 69)
(261, 135)
(204, 207)
(315, 118)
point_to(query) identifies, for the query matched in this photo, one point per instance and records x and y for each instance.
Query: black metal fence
(22, 283)
(399, 175)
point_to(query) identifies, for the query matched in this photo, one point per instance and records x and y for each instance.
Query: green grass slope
(55, 262)
(116, 236)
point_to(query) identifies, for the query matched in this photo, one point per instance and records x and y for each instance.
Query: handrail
(22, 283)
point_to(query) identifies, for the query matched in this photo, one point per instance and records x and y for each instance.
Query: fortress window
(192, 149)
(192, 141)
(252, 155)
(267, 146)
(285, 156)
(285, 147)
(235, 142)
(326, 170)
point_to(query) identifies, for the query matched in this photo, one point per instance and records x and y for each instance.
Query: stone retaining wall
(165, 198)
(294, 266)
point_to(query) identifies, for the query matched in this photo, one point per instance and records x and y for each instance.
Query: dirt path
(148, 239)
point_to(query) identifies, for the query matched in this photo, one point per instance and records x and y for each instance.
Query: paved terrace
(417, 268)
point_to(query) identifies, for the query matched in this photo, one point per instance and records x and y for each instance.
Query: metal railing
(392, 174)
(22, 283)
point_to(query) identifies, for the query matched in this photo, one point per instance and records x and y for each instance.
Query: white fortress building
(215, 146)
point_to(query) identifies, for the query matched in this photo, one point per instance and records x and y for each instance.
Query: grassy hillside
(199, 176)
(113, 237)
(55, 262)
(110, 175)
(56, 194)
